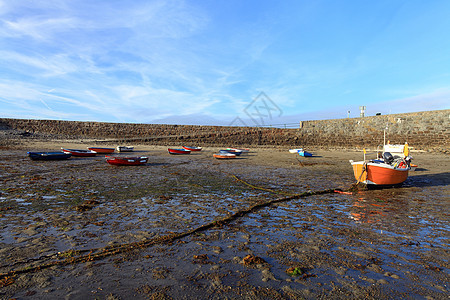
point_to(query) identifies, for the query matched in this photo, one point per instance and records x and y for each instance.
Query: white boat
(295, 150)
(125, 148)
(244, 150)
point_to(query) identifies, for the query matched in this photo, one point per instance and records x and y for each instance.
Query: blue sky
(215, 62)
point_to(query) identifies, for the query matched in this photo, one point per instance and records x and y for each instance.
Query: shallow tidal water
(388, 243)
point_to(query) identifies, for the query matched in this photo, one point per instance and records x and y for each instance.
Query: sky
(222, 62)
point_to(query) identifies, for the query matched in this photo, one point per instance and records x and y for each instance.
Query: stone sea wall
(429, 130)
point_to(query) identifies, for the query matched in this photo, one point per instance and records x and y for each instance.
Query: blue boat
(231, 151)
(49, 155)
(304, 153)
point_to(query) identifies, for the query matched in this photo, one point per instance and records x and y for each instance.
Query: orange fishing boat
(385, 171)
(377, 172)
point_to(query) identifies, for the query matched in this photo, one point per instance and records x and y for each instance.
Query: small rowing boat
(49, 155)
(125, 148)
(236, 152)
(178, 151)
(224, 155)
(80, 153)
(192, 148)
(101, 150)
(295, 150)
(126, 161)
(304, 153)
(244, 150)
(301, 152)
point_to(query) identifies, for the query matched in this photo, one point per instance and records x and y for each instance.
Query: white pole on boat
(384, 137)
(364, 150)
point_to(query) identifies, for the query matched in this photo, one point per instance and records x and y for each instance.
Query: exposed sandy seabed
(82, 229)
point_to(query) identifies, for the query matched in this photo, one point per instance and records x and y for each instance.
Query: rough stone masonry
(428, 131)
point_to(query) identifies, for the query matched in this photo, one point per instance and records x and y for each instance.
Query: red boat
(101, 150)
(192, 148)
(178, 151)
(126, 161)
(81, 153)
(224, 155)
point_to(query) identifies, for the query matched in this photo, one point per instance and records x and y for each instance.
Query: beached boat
(81, 153)
(126, 161)
(192, 148)
(224, 155)
(301, 152)
(304, 153)
(178, 151)
(236, 152)
(295, 150)
(244, 150)
(385, 171)
(101, 150)
(125, 148)
(49, 155)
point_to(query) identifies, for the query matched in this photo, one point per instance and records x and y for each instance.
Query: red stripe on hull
(178, 151)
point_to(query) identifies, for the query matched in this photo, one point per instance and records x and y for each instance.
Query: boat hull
(244, 150)
(304, 153)
(80, 153)
(237, 153)
(101, 150)
(295, 150)
(125, 148)
(126, 161)
(49, 155)
(224, 156)
(379, 173)
(195, 149)
(178, 151)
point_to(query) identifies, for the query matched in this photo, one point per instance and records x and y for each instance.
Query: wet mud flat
(180, 227)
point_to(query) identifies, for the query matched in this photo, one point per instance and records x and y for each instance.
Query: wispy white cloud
(146, 60)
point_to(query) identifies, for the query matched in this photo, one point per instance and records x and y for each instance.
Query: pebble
(30, 232)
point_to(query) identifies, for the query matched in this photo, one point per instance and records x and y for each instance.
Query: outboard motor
(408, 161)
(388, 158)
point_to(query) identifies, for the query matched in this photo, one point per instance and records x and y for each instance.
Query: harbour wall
(429, 131)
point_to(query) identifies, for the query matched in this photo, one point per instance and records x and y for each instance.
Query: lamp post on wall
(348, 114)
(362, 111)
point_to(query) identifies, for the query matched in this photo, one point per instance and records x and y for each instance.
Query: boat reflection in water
(376, 208)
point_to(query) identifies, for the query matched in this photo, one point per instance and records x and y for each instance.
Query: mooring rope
(68, 257)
